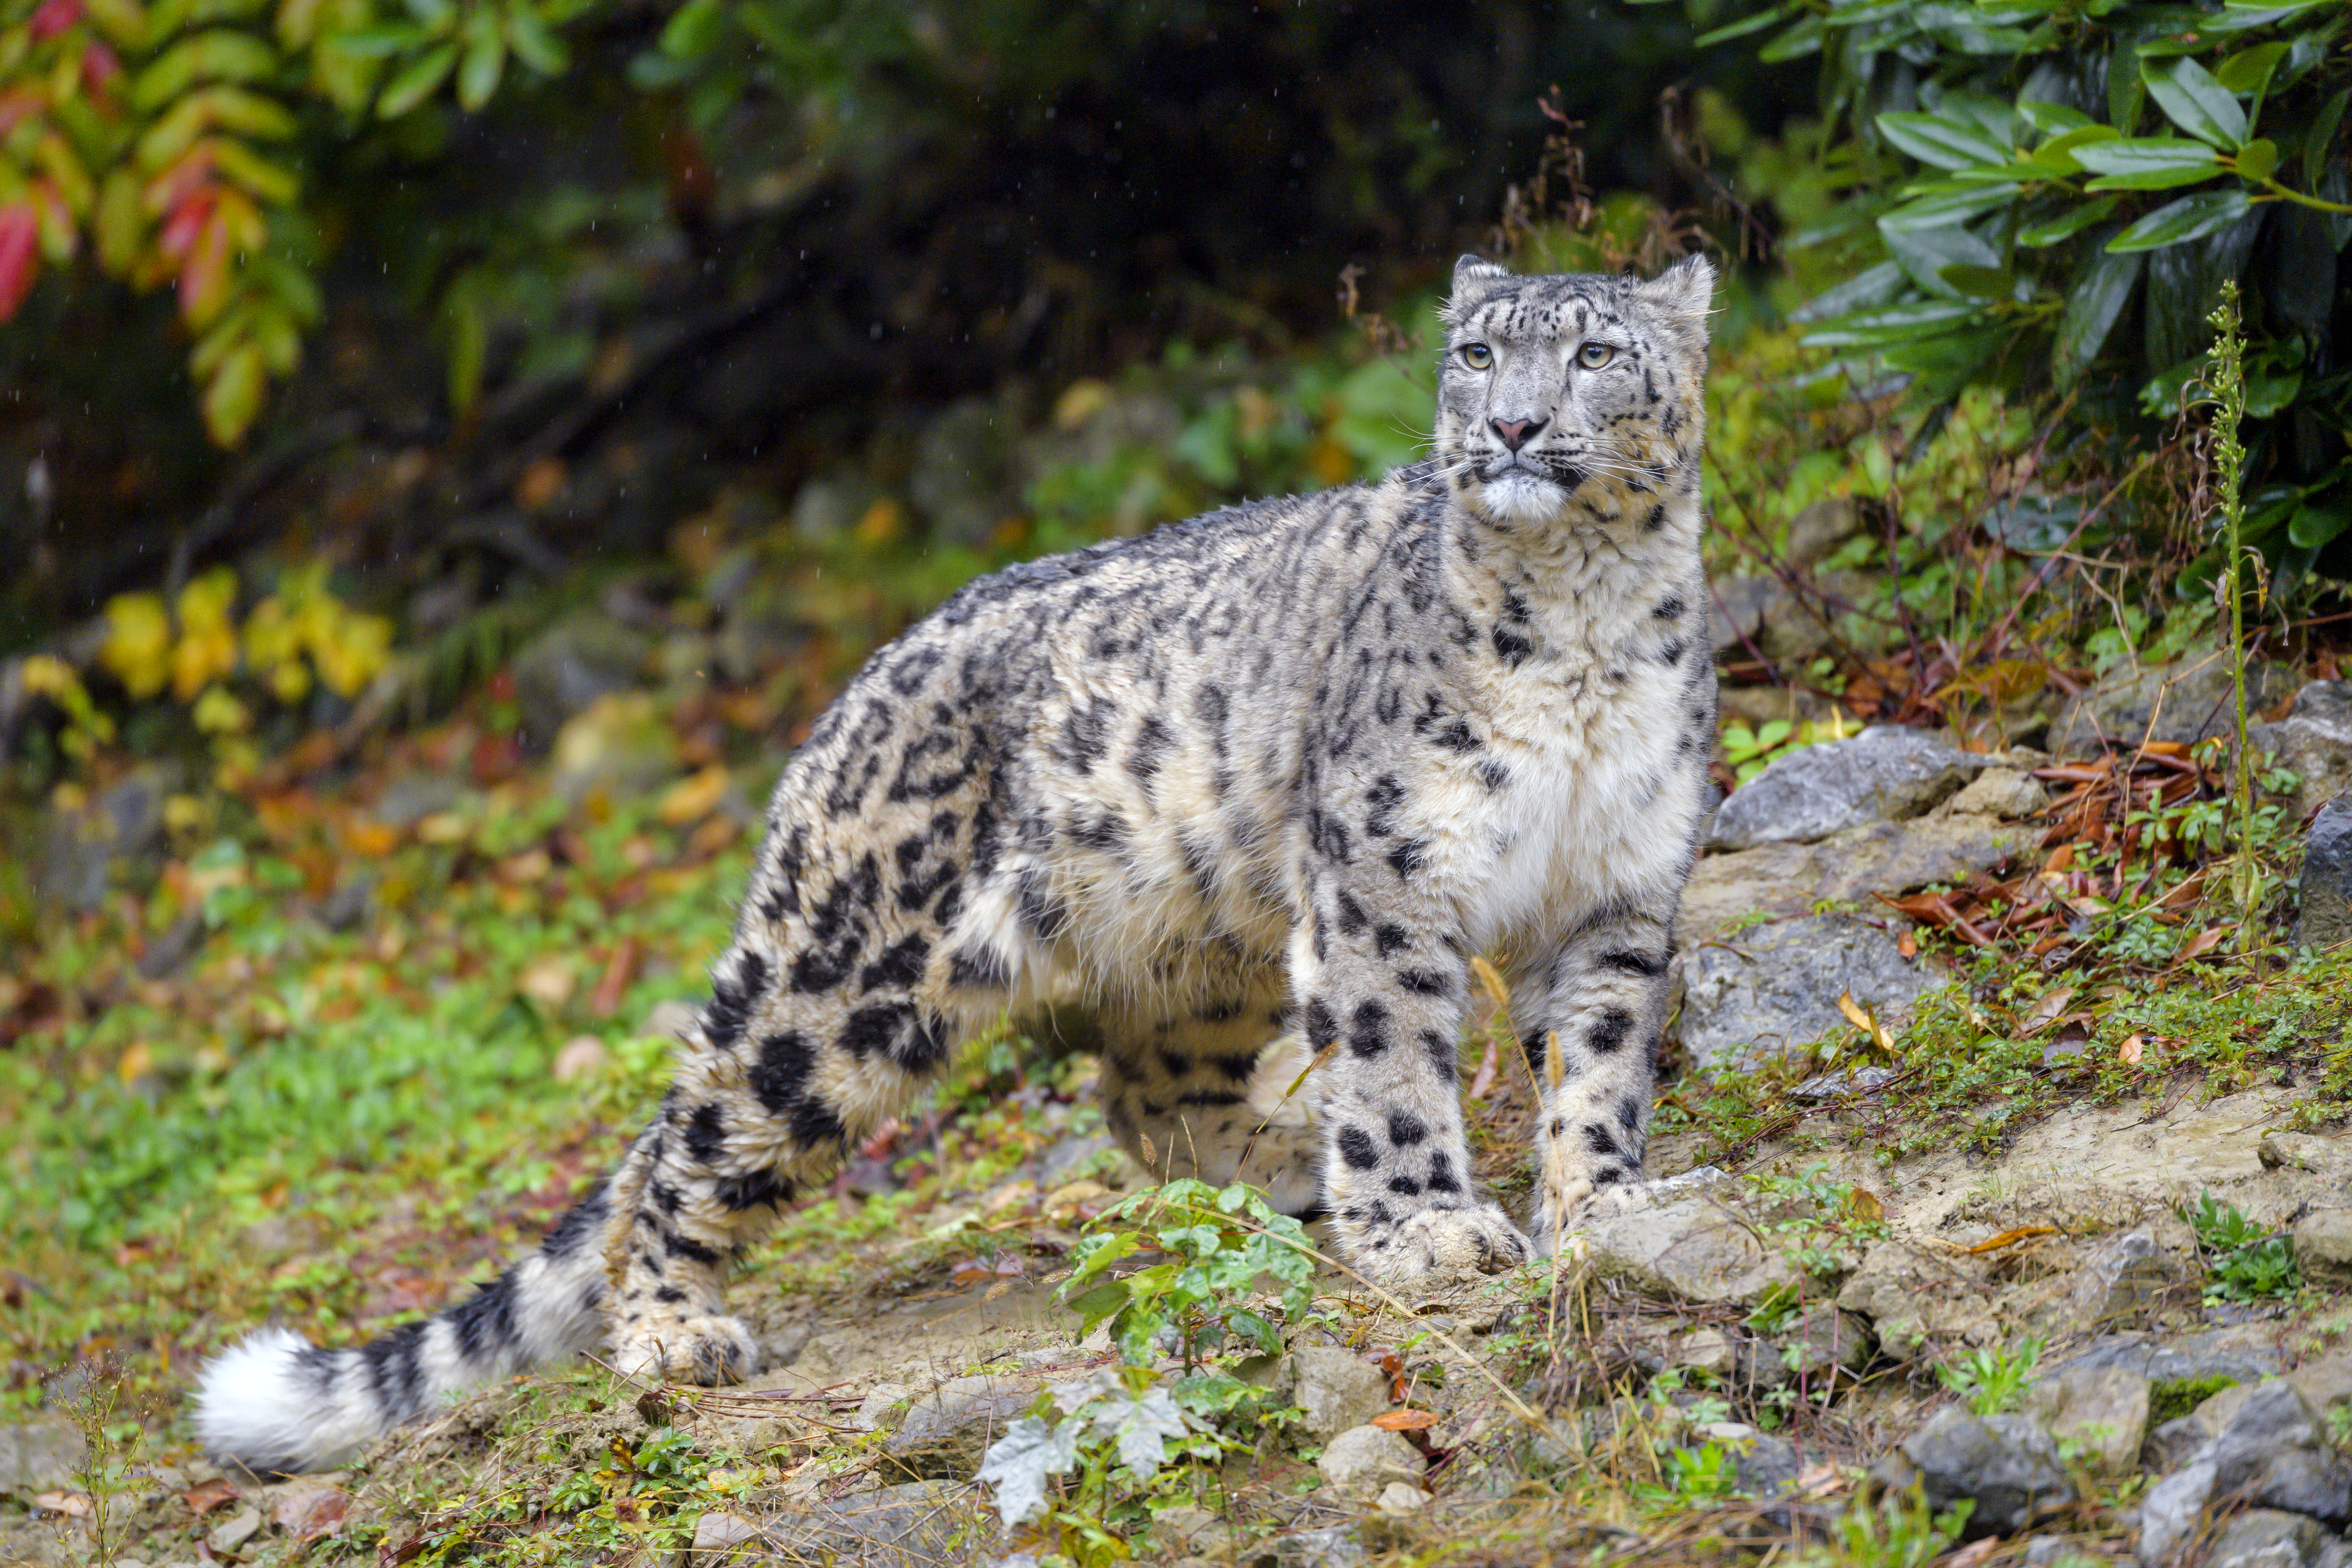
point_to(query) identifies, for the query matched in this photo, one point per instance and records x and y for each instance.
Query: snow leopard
(1250, 792)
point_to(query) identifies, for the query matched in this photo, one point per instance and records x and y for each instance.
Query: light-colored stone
(719, 1536)
(2172, 1511)
(1337, 1388)
(2184, 701)
(1774, 989)
(1817, 1346)
(2004, 793)
(2314, 741)
(1785, 879)
(2325, 919)
(2125, 1276)
(1401, 1496)
(947, 1431)
(2267, 1537)
(876, 1410)
(567, 668)
(619, 746)
(2322, 1247)
(1886, 773)
(234, 1530)
(1708, 1351)
(2329, 1156)
(1693, 1250)
(1912, 1296)
(583, 1055)
(2104, 1410)
(1364, 1459)
(40, 1457)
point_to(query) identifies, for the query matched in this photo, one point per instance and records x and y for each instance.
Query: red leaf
(178, 236)
(204, 276)
(54, 17)
(100, 67)
(20, 258)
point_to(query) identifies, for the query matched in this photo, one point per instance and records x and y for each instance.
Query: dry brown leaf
(1907, 945)
(73, 1505)
(2203, 942)
(2048, 1010)
(309, 1512)
(1862, 1018)
(1405, 1420)
(206, 1496)
(2010, 1237)
(2129, 1052)
(694, 797)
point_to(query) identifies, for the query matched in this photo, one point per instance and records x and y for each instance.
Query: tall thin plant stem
(2226, 371)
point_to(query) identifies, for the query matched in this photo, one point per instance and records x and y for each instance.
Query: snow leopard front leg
(1382, 987)
(1600, 996)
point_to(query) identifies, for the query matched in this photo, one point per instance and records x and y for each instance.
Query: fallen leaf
(2128, 1053)
(1907, 945)
(2203, 942)
(1862, 1204)
(548, 981)
(619, 970)
(1819, 1480)
(206, 1496)
(694, 797)
(1974, 1552)
(1405, 1420)
(309, 1512)
(2046, 1011)
(2011, 1238)
(1863, 1019)
(73, 1505)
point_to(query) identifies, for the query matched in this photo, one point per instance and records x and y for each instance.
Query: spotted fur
(1249, 791)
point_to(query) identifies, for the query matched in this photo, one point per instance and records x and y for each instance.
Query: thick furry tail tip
(275, 1406)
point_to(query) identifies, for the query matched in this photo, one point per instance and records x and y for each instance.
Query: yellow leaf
(2130, 1051)
(1861, 1019)
(135, 1063)
(138, 646)
(691, 799)
(218, 712)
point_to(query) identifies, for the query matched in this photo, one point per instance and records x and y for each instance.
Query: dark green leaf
(2067, 224)
(2148, 162)
(2193, 101)
(2058, 152)
(1804, 38)
(694, 29)
(1924, 253)
(375, 43)
(1873, 286)
(2247, 73)
(532, 40)
(2092, 307)
(2053, 119)
(1946, 205)
(2319, 520)
(1741, 29)
(2125, 91)
(1904, 323)
(485, 61)
(2190, 218)
(1981, 283)
(2258, 159)
(416, 83)
(2322, 135)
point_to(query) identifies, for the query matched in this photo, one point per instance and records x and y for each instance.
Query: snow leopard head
(1573, 395)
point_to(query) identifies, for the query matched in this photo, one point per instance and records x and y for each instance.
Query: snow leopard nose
(1517, 433)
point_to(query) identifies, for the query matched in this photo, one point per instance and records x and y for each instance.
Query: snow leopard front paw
(1438, 1243)
(1580, 1204)
(709, 1350)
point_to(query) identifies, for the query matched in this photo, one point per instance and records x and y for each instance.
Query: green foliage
(1222, 1247)
(2171, 1399)
(2244, 1262)
(1992, 1381)
(137, 132)
(2077, 171)
(1898, 1531)
(1707, 1473)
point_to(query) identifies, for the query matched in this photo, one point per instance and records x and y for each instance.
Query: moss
(2174, 1397)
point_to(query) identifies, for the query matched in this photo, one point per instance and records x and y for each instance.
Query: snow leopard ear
(1682, 295)
(1475, 277)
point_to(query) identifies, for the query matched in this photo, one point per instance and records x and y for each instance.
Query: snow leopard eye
(1478, 356)
(1592, 356)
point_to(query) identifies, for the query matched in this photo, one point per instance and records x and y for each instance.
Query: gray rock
(1774, 988)
(40, 1457)
(2186, 702)
(233, 1529)
(1709, 1351)
(2001, 792)
(1912, 1296)
(619, 746)
(2124, 1277)
(1778, 880)
(1692, 1251)
(1337, 1388)
(2006, 1464)
(115, 839)
(565, 668)
(1333, 1546)
(2103, 1409)
(2275, 1453)
(2326, 882)
(2314, 740)
(1764, 1466)
(2220, 1353)
(410, 797)
(832, 503)
(719, 1536)
(947, 1431)
(1842, 1085)
(1363, 1459)
(2172, 1511)
(919, 1522)
(1886, 773)
(2267, 1537)
(2322, 1247)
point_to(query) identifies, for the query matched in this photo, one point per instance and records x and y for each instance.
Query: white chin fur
(258, 1406)
(1518, 496)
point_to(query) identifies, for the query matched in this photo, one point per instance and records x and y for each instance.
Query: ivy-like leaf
(1019, 1464)
(2190, 218)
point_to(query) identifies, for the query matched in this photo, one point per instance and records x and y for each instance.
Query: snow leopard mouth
(1551, 471)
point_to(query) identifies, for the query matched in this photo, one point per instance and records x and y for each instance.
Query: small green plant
(2226, 370)
(1706, 1473)
(2243, 1261)
(1992, 1380)
(1899, 1530)
(112, 1437)
(1218, 1247)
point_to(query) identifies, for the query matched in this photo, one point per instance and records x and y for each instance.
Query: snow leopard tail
(276, 1404)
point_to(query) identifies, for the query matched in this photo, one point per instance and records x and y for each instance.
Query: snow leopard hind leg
(1202, 1091)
